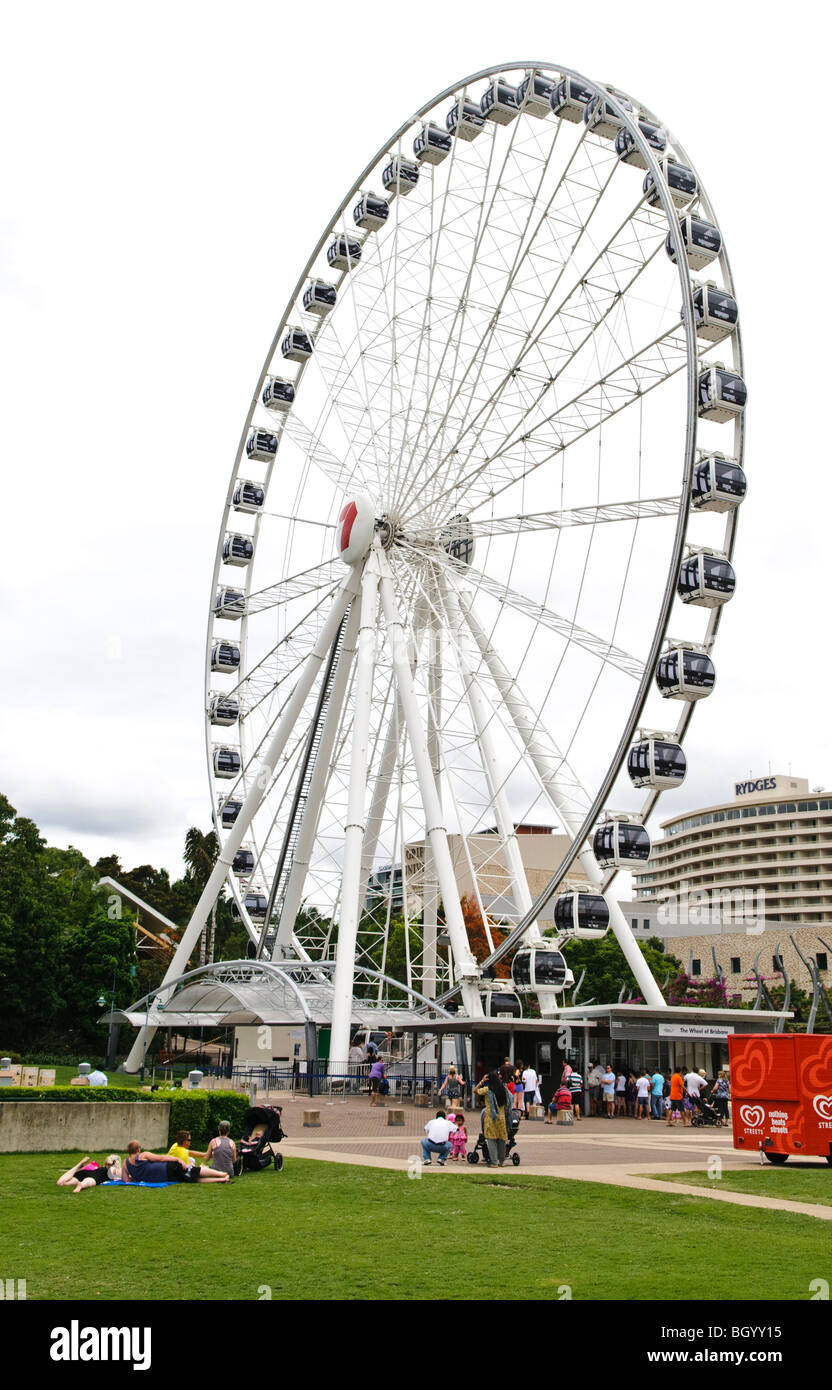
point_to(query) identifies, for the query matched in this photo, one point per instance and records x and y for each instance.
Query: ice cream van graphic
(781, 1089)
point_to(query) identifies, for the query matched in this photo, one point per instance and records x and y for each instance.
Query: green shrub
(201, 1111)
(14, 1057)
(98, 1093)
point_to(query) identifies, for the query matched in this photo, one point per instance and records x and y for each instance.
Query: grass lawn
(327, 1231)
(63, 1076)
(794, 1184)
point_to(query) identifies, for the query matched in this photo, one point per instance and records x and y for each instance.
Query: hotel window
(736, 965)
(822, 961)
(696, 967)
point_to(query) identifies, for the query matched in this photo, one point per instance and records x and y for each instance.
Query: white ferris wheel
(493, 458)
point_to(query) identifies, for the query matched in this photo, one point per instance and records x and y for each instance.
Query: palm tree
(200, 856)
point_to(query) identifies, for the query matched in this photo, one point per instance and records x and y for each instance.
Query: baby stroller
(511, 1145)
(261, 1129)
(705, 1115)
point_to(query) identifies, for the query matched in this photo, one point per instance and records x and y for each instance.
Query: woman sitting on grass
(87, 1173)
(141, 1166)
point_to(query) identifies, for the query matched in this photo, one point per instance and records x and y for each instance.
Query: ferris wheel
(476, 542)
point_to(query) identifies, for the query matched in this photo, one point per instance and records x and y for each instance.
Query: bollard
(395, 1117)
(421, 1100)
(311, 1119)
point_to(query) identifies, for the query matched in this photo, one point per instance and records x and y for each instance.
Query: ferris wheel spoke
(645, 508)
(455, 338)
(642, 373)
(307, 582)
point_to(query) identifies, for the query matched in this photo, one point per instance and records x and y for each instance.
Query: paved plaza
(624, 1152)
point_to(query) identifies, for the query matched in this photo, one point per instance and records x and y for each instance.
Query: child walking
(459, 1141)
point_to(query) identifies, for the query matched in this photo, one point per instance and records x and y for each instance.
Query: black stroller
(705, 1115)
(261, 1129)
(511, 1145)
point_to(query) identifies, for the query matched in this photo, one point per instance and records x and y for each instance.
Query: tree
(31, 912)
(475, 924)
(201, 854)
(606, 966)
(97, 961)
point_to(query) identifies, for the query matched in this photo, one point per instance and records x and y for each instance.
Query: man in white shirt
(694, 1083)
(97, 1078)
(438, 1131)
(529, 1087)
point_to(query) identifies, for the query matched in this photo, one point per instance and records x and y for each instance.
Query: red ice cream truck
(781, 1093)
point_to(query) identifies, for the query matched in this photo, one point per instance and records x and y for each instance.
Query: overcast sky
(166, 172)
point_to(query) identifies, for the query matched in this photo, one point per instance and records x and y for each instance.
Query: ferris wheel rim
(692, 355)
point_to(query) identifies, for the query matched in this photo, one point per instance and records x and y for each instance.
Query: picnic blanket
(117, 1182)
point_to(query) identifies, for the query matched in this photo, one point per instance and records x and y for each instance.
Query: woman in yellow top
(495, 1117)
(181, 1149)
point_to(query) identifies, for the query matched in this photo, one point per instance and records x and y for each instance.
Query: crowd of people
(179, 1164)
(670, 1096)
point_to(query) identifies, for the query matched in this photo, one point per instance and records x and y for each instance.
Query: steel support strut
(255, 795)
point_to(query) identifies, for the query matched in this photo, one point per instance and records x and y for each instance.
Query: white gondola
(457, 539)
(229, 811)
(255, 904)
(715, 312)
(719, 484)
(569, 99)
(225, 656)
(278, 394)
(243, 862)
(261, 445)
(602, 120)
(226, 762)
(685, 673)
(229, 603)
(319, 297)
(722, 394)
(465, 120)
(432, 144)
(534, 95)
(223, 710)
(297, 346)
(681, 184)
(582, 915)
(343, 253)
(499, 102)
(248, 496)
(370, 212)
(400, 176)
(537, 968)
(619, 842)
(627, 149)
(706, 579)
(237, 549)
(656, 761)
(702, 241)
(501, 1004)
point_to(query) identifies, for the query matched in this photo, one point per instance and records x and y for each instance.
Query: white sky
(166, 172)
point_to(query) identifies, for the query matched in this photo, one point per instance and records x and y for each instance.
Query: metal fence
(405, 1082)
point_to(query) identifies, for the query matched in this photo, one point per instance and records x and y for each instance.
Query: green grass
(329, 1231)
(793, 1184)
(63, 1076)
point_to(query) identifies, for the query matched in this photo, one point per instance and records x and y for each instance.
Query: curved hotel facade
(770, 848)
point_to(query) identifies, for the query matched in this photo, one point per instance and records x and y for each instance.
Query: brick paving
(623, 1151)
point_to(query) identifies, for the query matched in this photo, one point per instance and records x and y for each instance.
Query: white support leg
(317, 791)
(544, 757)
(343, 978)
(430, 883)
(259, 786)
(466, 965)
(482, 714)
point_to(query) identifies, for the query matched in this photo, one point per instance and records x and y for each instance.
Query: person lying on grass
(142, 1166)
(87, 1173)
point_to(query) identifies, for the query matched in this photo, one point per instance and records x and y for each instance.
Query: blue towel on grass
(118, 1183)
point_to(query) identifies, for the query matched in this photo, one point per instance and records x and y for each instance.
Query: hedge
(99, 1093)
(197, 1111)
